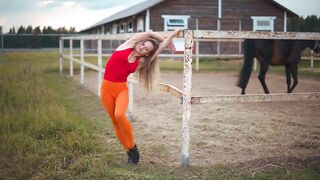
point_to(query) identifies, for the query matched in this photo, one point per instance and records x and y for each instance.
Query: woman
(138, 53)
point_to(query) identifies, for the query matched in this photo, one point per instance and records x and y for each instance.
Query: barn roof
(128, 12)
(136, 9)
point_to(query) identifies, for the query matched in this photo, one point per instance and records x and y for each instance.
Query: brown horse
(274, 52)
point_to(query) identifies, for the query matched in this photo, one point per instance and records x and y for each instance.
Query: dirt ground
(226, 133)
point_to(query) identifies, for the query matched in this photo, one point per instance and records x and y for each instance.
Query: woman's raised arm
(166, 42)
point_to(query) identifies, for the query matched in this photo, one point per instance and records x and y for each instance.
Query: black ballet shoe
(133, 155)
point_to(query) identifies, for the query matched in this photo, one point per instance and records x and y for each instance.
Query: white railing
(185, 95)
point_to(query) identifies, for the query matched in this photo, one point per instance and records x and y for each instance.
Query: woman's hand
(171, 46)
(176, 32)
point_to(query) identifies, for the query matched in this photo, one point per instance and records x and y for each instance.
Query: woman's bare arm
(140, 37)
(145, 35)
(165, 43)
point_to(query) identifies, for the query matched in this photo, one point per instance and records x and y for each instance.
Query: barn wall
(234, 13)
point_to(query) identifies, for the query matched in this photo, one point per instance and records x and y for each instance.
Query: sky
(84, 13)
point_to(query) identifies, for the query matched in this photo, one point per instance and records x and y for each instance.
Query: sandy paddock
(226, 133)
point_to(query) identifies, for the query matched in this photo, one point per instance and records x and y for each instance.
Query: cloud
(67, 14)
(71, 4)
(43, 3)
(58, 13)
(15, 5)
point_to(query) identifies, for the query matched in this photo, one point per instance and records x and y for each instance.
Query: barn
(166, 15)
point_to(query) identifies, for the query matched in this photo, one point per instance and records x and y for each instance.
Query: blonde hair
(148, 69)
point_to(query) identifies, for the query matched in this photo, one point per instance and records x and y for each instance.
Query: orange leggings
(114, 97)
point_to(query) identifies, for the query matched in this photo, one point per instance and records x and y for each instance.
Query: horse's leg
(294, 72)
(288, 75)
(243, 91)
(262, 76)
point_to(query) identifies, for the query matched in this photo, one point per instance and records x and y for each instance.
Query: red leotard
(118, 67)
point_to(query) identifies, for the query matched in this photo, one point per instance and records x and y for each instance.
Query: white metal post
(147, 20)
(71, 57)
(187, 75)
(61, 54)
(311, 62)
(218, 28)
(131, 100)
(99, 65)
(2, 40)
(240, 29)
(82, 62)
(197, 47)
(285, 21)
(255, 64)
(219, 23)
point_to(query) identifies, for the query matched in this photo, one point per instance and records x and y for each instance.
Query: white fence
(185, 94)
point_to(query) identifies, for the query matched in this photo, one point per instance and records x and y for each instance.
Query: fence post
(240, 29)
(255, 64)
(2, 44)
(82, 62)
(197, 47)
(71, 57)
(61, 54)
(186, 101)
(131, 100)
(99, 65)
(311, 62)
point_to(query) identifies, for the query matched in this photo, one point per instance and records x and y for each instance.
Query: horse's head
(316, 47)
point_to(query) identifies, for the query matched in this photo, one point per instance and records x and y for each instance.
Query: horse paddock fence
(185, 94)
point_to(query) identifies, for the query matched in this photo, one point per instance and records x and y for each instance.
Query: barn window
(172, 22)
(114, 28)
(107, 30)
(123, 27)
(263, 23)
(130, 27)
(98, 31)
(140, 24)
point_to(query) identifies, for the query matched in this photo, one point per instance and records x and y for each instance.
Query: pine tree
(50, 30)
(44, 30)
(28, 30)
(21, 30)
(37, 30)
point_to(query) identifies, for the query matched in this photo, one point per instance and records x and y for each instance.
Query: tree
(312, 23)
(12, 30)
(21, 30)
(62, 30)
(72, 30)
(29, 30)
(44, 30)
(36, 30)
(309, 24)
(50, 30)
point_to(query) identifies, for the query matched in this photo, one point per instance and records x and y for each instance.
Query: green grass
(52, 129)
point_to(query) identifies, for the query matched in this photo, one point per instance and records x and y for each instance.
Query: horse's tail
(248, 55)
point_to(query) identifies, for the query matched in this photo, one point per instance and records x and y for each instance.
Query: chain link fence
(33, 41)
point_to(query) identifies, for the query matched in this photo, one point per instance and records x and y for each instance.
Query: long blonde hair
(148, 69)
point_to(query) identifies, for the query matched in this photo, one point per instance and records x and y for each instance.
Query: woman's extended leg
(109, 104)
(121, 105)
